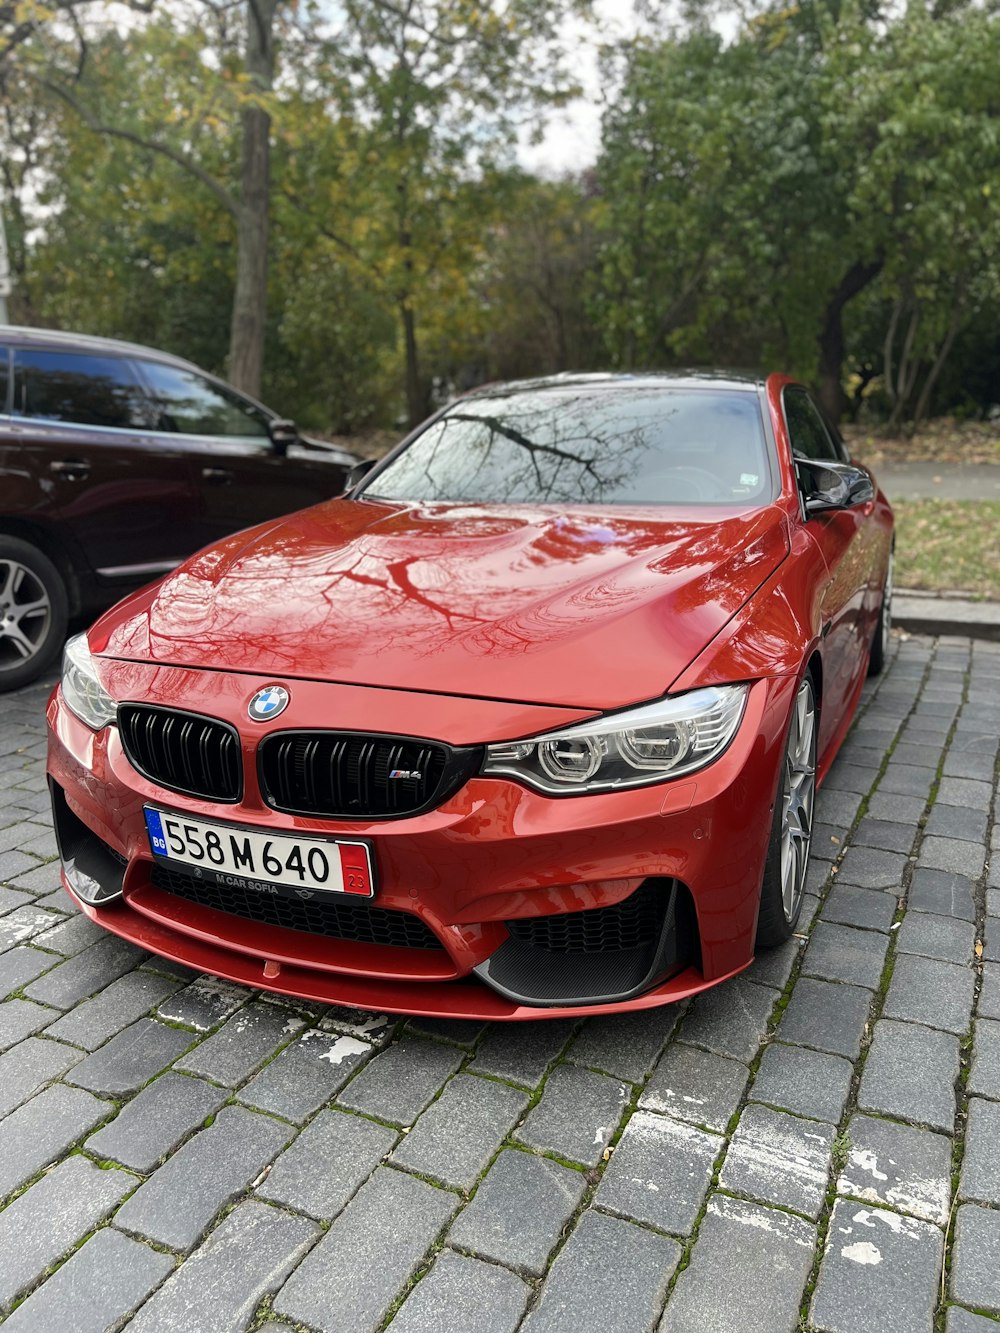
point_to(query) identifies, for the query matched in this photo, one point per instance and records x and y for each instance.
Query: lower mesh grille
(635, 921)
(336, 918)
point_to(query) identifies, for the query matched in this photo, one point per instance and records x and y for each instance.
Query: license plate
(246, 858)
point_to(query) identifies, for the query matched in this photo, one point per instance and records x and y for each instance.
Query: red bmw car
(529, 722)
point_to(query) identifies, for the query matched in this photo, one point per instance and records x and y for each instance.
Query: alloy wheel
(798, 798)
(25, 613)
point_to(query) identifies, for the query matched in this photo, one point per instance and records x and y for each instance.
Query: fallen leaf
(979, 948)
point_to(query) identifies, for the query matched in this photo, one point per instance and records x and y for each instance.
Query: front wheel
(33, 612)
(791, 830)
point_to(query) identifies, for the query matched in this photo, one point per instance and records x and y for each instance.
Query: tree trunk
(416, 402)
(831, 338)
(246, 337)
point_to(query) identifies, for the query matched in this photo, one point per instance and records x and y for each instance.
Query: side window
(192, 405)
(74, 387)
(4, 378)
(808, 434)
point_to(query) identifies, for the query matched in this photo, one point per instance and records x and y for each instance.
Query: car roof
(667, 379)
(56, 340)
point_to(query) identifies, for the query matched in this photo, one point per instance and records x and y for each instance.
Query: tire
(880, 639)
(784, 879)
(33, 612)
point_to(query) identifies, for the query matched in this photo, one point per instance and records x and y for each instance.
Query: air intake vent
(354, 775)
(325, 914)
(183, 752)
(630, 924)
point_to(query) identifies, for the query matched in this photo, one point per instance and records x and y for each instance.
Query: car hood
(530, 604)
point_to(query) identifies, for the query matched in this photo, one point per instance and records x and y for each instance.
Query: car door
(77, 421)
(242, 478)
(841, 537)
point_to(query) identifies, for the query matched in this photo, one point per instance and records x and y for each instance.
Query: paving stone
(20, 1019)
(23, 924)
(352, 1277)
(306, 1074)
(967, 858)
(624, 1045)
(375, 1028)
(459, 1031)
(519, 1211)
(960, 764)
(906, 780)
(903, 1167)
(179, 1200)
(730, 1019)
(991, 936)
(205, 1003)
(610, 1275)
(941, 892)
(778, 1158)
(748, 1259)
(71, 935)
(925, 990)
(401, 1082)
(879, 1274)
(51, 1218)
(808, 910)
(324, 1166)
(463, 1293)
(42, 1129)
(910, 1073)
(975, 1272)
(952, 821)
(891, 805)
(13, 861)
(921, 756)
(980, 1163)
(942, 937)
(828, 841)
(871, 869)
(809, 1083)
(20, 965)
(85, 973)
(837, 807)
(155, 1122)
(58, 901)
(964, 792)
(105, 1280)
(839, 953)
(984, 1077)
(868, 909)
(845, 776)
(10, 899)
(455, 1137)
(91, 1023)
(827, 1016)
(577, 1116)
(696, 1086)
(993, 897)
(522, 1052)
(989, 993)
(242, 1044)
(245, 1259)
(27, 1067)
(773, 967)
(958, 1320)
(659, 1172)
(131, 1059)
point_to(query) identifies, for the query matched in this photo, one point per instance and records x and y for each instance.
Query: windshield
(606, 444)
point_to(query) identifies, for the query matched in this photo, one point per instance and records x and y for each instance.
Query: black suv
(117, 462)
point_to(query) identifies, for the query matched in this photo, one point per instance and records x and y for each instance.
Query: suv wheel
(33, 612)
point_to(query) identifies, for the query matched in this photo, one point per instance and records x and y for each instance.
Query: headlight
(635, 749)
(82, 691)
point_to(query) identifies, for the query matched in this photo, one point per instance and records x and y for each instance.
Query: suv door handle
(221, 476)
(76, 469)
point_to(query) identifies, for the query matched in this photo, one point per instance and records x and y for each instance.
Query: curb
(935, 613)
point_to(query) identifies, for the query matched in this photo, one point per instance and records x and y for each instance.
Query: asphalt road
(940, 481)
(812, 1146)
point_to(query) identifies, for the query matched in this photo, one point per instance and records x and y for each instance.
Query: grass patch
(949, 545)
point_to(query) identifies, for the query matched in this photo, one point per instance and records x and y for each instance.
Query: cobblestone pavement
(812, 1146)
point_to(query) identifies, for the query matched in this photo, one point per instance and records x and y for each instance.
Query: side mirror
(283, 433)
(829, 486)
(358, 472)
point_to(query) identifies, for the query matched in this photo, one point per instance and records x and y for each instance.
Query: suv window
(190, 404)
(74, 387)
(806, 430)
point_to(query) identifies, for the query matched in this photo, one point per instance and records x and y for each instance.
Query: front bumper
(494, 853)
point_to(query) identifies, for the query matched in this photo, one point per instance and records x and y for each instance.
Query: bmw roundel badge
(268, 703)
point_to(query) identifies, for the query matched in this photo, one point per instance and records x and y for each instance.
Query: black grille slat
(183, 752)
(340, 774)
(630, 924)
(335, 918)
